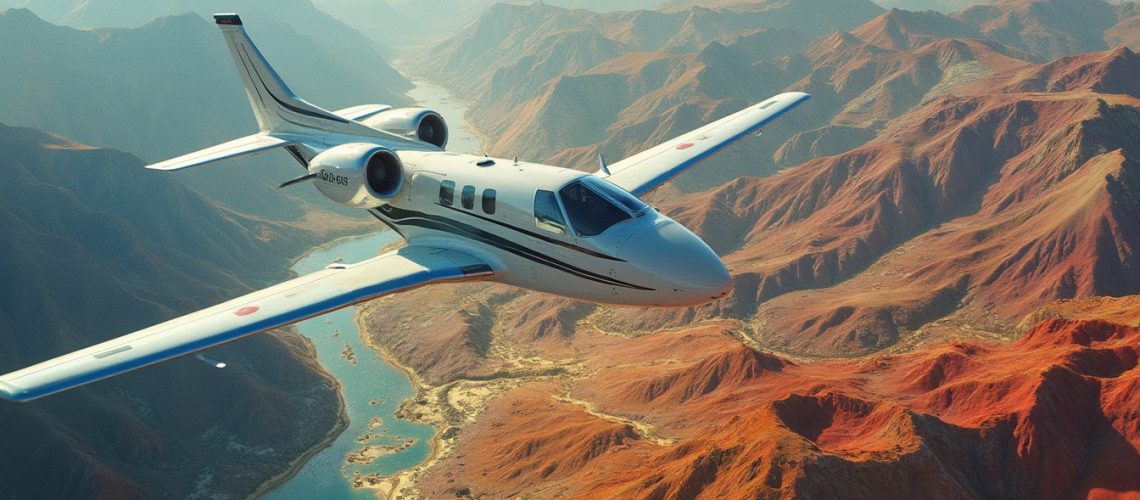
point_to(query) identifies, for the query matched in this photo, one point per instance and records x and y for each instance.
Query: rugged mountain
(164, 89)
(404, 23)
(627, 69)
(944, 186)
(498, 34)
(1047, 28)
(96, 247)
(815, 17)
(432, 21)
(943, 6)
(630, 91)
(1109, 72)
(925, 155)
(299, 19)
(692, 412)
(906, 30)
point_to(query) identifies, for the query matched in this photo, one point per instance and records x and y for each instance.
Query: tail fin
(276, 107)
(284, 118)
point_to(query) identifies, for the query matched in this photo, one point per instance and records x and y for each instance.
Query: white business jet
(464, 217)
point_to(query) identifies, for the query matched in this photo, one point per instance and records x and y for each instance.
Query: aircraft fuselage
(487, 207)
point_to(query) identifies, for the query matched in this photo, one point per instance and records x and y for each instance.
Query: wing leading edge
(311, 295)
(649, 169)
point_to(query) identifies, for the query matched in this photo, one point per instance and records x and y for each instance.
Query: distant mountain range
(170, 87)
(299, 18)
(651, 75)
(398, 22)
(96, 247)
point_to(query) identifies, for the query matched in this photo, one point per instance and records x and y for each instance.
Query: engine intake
(358, 175)
(384, 173)
(419, 123)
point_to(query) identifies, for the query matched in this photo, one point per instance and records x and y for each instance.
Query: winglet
(602, 168)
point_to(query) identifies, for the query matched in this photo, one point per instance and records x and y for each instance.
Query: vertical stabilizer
(276, 108)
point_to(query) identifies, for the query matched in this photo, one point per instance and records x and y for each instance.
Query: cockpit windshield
(632, 204)
(594, 205)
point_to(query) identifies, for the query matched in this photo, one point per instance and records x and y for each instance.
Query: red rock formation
(976, 186)
(1048, 416)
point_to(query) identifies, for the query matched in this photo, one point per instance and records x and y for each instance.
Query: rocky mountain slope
(703, 63)
(918, 306)
(692, 413)
(95, 247)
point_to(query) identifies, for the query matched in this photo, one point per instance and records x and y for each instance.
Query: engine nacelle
(358, 175)
(417, 123)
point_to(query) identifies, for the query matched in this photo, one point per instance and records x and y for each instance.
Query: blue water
(371, 388)
(328, 475)
(461, 138)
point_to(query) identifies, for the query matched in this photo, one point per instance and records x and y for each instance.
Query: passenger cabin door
(425, 191)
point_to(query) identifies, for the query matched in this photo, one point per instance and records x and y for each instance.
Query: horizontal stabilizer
(357, 113)
(249, 144)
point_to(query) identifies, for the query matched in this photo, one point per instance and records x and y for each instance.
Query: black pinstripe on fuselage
(396, 217)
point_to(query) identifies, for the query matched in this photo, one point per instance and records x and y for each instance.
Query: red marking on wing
(247, 310)
(685, 145)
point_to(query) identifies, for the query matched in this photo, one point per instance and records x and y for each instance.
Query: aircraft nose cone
(680, 259)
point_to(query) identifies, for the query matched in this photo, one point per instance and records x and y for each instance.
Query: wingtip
(228, 18)
(12, 393)
(162, 166)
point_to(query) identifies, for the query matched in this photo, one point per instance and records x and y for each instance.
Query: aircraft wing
(249, 144)
(332, 288)
(649, 169)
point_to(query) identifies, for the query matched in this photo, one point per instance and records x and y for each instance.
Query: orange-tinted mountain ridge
(1042, 417)
(919, 302)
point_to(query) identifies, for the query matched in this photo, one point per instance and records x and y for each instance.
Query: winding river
(372, 389)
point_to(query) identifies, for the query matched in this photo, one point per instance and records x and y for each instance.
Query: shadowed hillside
(96, 247)
(168, 88)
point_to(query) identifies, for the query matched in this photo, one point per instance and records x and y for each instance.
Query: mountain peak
(21, 18)
(1115, 71)
(905, 30)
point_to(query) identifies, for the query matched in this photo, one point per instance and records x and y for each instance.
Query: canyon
(924, 261)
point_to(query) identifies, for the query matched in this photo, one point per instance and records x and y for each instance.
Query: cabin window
(468, 197)
(590, 212)
(489, 201)
(547, 213)
(446, 193)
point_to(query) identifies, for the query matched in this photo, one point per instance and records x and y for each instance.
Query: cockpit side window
(590, 213)
(547, 213)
